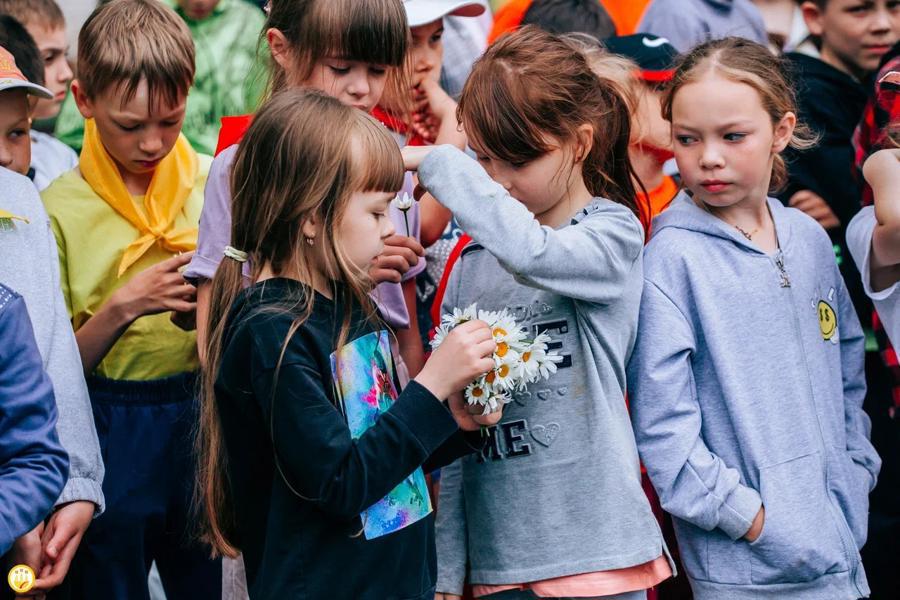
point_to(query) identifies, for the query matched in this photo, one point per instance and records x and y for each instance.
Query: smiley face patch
(828, 323)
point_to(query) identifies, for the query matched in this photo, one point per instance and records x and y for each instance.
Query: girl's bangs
(378, 165)
(497, 119)
(368, 31)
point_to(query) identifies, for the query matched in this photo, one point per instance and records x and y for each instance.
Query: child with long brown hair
(553, 507)
(353, 50)
(310, 460)
(747, 376)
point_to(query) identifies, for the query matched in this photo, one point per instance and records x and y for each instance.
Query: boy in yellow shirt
(125, 222)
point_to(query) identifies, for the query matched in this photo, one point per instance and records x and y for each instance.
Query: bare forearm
(886, 238)
(434, 218)
(409, 340)
(98, 335)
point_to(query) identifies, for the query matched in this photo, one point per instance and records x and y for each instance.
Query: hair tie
(235, 254)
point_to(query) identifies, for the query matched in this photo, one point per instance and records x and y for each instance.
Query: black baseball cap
(653, 54)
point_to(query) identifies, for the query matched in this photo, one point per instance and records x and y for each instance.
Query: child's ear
(812, 15)
(279, 47)
(310, 227)
(784, 129)
(84, 104)
(584, 141)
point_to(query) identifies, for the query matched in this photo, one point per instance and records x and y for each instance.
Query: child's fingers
(393, 262)
(181, 306)
(380, 275)
(407, 242)
(487, 348)
(177, 261)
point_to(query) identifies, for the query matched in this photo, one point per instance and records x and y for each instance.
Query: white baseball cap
(422, 12)
(11, 77)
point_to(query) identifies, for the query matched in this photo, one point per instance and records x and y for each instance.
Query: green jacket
(229, 80)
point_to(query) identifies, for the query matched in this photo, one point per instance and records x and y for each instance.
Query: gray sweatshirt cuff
(450, 583)
(82, 489)
(738, 511)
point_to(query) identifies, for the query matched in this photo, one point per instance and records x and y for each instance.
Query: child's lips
(714, 186)
(149, 164)
(878, 48)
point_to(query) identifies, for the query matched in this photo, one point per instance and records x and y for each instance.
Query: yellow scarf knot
(169, 189)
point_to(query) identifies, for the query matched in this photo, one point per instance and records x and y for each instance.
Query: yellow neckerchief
(170, 187)
(7, 218)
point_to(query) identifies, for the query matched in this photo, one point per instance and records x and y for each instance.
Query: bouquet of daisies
(518, 361)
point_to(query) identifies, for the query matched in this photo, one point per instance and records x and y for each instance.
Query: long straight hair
(303, 157)
(531, 85)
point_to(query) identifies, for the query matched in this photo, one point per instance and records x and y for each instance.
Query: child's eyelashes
(687, 140)
(128, 128)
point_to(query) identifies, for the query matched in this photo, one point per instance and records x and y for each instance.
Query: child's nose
(5, 156)
(388, 230)
(65, 73)
(151, 144)
(882, 20)
(359, 87)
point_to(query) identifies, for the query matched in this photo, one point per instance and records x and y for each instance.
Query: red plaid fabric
(882, 110)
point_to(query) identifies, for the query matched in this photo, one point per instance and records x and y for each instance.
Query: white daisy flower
(404, 201)
(477, 393)
(440, 333)
(504, 377)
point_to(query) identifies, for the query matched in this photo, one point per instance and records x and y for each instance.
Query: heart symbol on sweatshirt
(543, 394)
(521, 398)
(545, 434)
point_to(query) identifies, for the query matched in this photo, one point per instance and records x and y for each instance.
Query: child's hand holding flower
(466, 354)
(517, 361)
(400, 254)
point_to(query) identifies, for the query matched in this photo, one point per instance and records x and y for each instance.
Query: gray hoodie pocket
(799, 541)
(850, 483)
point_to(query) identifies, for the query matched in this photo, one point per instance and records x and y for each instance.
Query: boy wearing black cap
(651, 138)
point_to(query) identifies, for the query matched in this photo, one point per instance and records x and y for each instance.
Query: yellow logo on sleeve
(21, 579)
(828, 323)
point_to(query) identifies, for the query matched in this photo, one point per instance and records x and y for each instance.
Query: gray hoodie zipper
(843, 531)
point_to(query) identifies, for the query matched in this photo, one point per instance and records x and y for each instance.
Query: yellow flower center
(502, 349)
(491, 377)
(499, 332)
(478, 392)
(526, 357)
(504, 370)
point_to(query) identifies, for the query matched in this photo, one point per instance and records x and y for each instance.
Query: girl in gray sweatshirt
(746, 382)
(554, 503)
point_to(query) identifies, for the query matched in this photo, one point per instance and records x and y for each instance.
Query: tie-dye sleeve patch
(363, 373)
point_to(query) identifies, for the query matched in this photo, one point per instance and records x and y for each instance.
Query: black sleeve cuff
(426, 417)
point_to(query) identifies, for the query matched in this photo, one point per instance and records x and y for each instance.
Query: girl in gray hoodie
(746, 382)
(553, 507)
